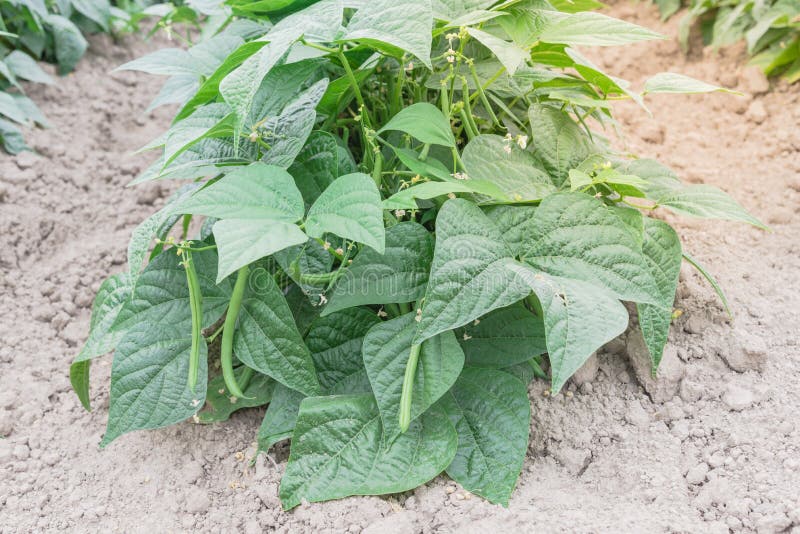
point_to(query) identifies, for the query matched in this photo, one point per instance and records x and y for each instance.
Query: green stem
(246, 377)
(405, 307)
(468, 107)
(226, 349)
(538, 372)
(210, 339)
(393, 310)
(408, 387)
(484, 98)
(352, 78)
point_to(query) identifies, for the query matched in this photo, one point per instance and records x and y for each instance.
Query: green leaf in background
(670, 82)
(12, 139)
(592, 29)
(558, 141)
(515, 171)
(149, 378)
(25, 67)
(98, 11)
(448, 10)
(492, 414)
(69, 42)
(579, 318)
(351, 208)
(166, 62)
(220, 404)
(281, 417)
(338, 450)
(504, 337)
(258, 191)
(578, 237)
(403, 25)
(468, 276)
(267, 338)
(398, 275)
(386, 351)
(335, 343)
(662, 249)
(424, 122)
(706, 202)
(406, 199)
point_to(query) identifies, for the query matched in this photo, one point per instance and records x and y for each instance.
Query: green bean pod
(226, 348)
(196, 306)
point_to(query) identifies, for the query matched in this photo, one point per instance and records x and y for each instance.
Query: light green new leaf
(335, 343)
(669, 82)
(386, 352)
(149, 379)
(503, 337)
(491, 412)
(425, 122)
(662, 249)
(351, 208)
(243, 241)
(558, 141)
(258, 191)
(281, 417)
(405, 199)
(579, 318)
(516, 173)
(220, 404)
(578, 237)
(468, 276)
(338, 449)
(706, 202)
(403, 25)
(398, 275)
(592, 29)
(509, 54)
(267, 339)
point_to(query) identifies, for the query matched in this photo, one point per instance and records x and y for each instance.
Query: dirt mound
(713, 446)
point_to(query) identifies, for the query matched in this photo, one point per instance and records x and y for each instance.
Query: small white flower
(382, 313)
(451, 55)
(522, 141)
(410, 66)
(340, 251)
(467, 337)
(399, 213)
(451, 196)
(507, 149)
(418, 318)
(476, 322)
(326, 245)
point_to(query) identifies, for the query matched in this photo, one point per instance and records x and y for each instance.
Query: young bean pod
(226, 348)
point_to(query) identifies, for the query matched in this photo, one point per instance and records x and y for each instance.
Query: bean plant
(394, 216)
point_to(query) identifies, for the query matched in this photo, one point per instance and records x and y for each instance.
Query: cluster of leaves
(40, 30)
(405, 219)
(771, 29)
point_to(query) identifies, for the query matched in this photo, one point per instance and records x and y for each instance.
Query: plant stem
(405, 307)
(352, 78)
(483, 97)
(408, 387)
(210, 339)
(393, 310)
(247, 376)
(538, 372)
(226, 350)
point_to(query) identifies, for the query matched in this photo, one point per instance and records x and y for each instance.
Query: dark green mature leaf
(491, 413)
(515, 171)
(503, 337)
(280, 87)
(468, 276)
(558, 141)
(351, 208)
(310, 257)
(69, 42)
(398, 275)
(386, 351)
(662, 249)
(578, 237)
(425, 122)
(335, 343)
(516, 223)
(149, 379)
(79, 380)
(317, 165)
(220, 404)
(338, 450)
(281, 417)
(268, 341)
(403, 25)
(579, 318)
(707, 202)
(258, 191)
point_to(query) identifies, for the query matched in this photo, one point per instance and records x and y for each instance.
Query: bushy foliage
(408, 213)
(771, 29)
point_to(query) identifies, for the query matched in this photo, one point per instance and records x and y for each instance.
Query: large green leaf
(491, 412)
(662, 249)
(338, 450)
(516, 223)
(425, 122)
(267, 339)
(516, 173)
(578, 237)
(398, 275)
(351, 208)
(335, 343)
(386, 351)
(579, 318)
(68, 40)
(707, 202)
(558, 141)
(258, 191)
(504, 337)
(468, 276)
(281, 417)
(243, 241)
(149, 379)
(318, 164)
(592, 29)
(403, 25)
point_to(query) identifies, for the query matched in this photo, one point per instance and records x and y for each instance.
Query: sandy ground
(713, 446)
